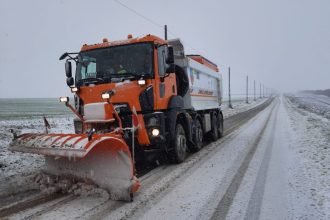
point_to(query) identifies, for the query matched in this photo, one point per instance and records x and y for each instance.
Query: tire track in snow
(255, 202)
(12, 198)
(223, 207)
(28, 203)
(60, 202)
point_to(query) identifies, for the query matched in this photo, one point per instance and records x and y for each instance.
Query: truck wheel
(220, 125)
(215, 128)
(198, 137)
(179, 145)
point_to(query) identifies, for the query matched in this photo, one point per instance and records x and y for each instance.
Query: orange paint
(129, 92)
(147, 38)
(202, 60)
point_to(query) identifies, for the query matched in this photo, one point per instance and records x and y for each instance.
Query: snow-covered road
(254, 173)
(272, 166)
(218, 186)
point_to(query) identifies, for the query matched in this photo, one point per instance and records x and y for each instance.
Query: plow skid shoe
(105, 159)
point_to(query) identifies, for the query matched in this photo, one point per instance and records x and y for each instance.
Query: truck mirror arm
(66, 54)
(67, 104)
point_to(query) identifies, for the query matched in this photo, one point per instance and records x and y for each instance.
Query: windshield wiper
(91, 80)
(133, 75)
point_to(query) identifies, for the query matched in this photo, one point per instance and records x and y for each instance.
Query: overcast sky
(284, 44)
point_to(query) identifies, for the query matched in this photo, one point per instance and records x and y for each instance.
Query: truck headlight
(64, 99)
(141, 82)
(108, 94)
(74, 89)
(105, 96)
(155, 132)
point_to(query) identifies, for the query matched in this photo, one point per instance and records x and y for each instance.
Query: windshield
(120, 62)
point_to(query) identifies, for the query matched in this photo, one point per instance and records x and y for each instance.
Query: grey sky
(284, 44)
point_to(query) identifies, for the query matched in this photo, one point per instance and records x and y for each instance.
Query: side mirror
(170, 55)
(68, 69)
(69, 81)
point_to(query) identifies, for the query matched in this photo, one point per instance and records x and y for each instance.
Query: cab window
(161, 61)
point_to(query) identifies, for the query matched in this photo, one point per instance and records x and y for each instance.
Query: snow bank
(52, 184)
(240, 107)
(310, 168)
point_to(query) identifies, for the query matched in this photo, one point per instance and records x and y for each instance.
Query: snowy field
(25, 164)
(319, 104)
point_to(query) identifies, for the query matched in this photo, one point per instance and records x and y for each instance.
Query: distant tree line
(318, 92)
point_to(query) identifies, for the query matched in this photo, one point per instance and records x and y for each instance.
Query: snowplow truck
(133, 99)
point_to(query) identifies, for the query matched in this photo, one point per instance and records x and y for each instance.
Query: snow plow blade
(105, 159)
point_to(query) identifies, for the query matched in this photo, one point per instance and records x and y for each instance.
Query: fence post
(263, 91)
(229, 104)
(247, 90)
(254, 90)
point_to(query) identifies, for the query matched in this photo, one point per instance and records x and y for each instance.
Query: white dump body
(205, 88)
(205, 84)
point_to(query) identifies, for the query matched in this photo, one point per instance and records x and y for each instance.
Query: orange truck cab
(176, 97)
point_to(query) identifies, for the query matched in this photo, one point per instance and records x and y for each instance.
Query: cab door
(165, 82)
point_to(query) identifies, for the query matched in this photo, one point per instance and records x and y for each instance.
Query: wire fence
(238, 88)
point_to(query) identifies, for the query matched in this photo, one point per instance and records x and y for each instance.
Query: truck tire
(215, 128)
(179, 152)
(220, 125)
(198, 136)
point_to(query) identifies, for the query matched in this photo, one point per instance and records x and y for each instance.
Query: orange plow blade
(105, 159)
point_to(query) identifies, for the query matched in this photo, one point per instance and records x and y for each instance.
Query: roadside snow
(310, 167)
(240, 106)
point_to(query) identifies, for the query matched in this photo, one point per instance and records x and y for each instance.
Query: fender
(176, 102)
(171, 117)
(184, 118)
(186, 121)
(175, 106)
